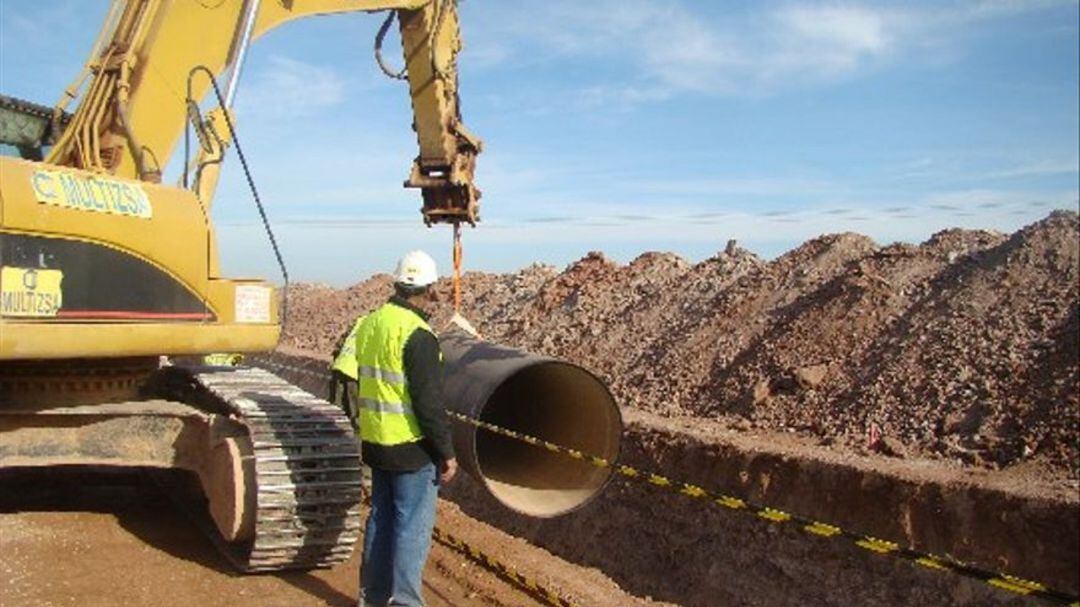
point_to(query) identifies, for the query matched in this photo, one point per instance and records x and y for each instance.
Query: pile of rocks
(963, 347)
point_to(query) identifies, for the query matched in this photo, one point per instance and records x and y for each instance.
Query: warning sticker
(30, 292)
(252, 304)
(89, 193)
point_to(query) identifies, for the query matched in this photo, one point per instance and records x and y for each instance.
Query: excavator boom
(109, 278)
(148, 74)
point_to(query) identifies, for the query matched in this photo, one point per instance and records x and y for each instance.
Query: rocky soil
(963, 348)
(103, 537)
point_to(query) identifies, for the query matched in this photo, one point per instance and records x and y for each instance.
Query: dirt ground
(103, 538)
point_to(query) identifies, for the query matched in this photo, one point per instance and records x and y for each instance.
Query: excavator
(108, 275)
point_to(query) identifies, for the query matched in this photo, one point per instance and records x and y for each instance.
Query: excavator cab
(28, 128)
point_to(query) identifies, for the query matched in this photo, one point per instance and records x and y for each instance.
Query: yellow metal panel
(173, 234)
(184, 34)
(224, 293)
(433, 98)
(273, 13)
(93, 193)
(30, 292)
(51, 340)
(174, 237)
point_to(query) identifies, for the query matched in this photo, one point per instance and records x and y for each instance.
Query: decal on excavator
(33, 292)
(89, 193)
(252, 304)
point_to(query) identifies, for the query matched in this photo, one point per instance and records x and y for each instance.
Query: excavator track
(307, 474)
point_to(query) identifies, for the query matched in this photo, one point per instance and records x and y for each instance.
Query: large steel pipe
(543, 397)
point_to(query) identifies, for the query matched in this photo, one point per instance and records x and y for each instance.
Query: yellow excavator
(107, 274)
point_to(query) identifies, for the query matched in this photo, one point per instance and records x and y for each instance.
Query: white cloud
(1038, 168)
(620, 97)
(733, 186)
(42, 25)
(983, 165)
(668, 47)
(484, 55)
(841, 29)
(817, 43)
(288, 87)
(651, 51)
(996, 8)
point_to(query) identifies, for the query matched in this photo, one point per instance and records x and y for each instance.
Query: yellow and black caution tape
(522, 581)
(1003, 581)
(773, 515)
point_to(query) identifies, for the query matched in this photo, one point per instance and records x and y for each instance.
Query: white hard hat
(416, 269)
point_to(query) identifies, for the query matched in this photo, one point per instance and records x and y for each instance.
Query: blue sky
(635, 125)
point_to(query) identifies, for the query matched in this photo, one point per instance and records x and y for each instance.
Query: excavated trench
(657, 543)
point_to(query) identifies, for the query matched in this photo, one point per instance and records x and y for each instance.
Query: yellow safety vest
(223, 359)
(346, 358)
(386, 414)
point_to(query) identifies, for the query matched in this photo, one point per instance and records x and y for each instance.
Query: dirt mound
(963, 347)
(319, 315)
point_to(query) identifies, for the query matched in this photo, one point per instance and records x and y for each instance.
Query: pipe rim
(612, 461)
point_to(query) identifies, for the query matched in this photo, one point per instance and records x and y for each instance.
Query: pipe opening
(556, 402)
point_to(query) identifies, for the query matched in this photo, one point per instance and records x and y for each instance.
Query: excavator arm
(444, 169)
(148, 70)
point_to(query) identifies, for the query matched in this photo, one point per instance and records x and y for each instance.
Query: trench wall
(660, 544)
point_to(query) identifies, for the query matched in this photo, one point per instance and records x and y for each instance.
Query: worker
(405, 435)
(343, 373)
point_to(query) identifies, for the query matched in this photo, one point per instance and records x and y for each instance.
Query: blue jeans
(398, 535)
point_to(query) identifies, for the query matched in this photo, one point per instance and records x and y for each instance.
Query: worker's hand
(447, 470)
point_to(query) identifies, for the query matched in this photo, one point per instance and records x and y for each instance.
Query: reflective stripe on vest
(375, 406)
(386, 415)
(346, 358)
(390, 377)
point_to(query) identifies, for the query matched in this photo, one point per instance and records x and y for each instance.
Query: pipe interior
(560, 403)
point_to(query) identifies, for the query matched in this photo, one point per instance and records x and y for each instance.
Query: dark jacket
(423, 376)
